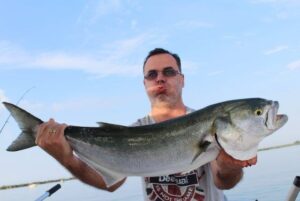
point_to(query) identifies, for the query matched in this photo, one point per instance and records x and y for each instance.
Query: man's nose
(160, 77)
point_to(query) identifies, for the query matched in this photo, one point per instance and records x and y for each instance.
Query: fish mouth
(275, 121)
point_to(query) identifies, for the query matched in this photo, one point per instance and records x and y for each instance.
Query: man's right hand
(50, 137)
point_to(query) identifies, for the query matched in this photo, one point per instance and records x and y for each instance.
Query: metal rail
(293, 193)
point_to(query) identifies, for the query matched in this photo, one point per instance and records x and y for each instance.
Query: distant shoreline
(280, 146)
(33, 184)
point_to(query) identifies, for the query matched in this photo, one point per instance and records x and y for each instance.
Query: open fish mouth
(274, 120)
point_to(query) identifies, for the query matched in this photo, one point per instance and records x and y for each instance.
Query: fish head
(258, 117)
(245, 123)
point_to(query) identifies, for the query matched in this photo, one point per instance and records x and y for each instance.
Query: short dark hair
(157, 51)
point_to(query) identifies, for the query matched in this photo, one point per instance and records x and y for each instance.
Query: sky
(82, 63)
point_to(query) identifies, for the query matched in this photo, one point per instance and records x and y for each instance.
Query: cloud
(88, 64)
(286, 2)
(215, 73)
(81, 104)
(2, 96)
(275, 50)
(105, 7)
(283, 15)
(193, 24)
(116, 58)
(95, 10)
(294, 65)
(11, 53)
(284, 9)
(190, 67)
(133, 24)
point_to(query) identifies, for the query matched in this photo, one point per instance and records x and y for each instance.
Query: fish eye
(258, 112)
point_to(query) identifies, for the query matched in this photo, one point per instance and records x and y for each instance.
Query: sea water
(269, 180)
(272, 177)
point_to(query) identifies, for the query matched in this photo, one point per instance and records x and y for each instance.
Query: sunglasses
(167, 72)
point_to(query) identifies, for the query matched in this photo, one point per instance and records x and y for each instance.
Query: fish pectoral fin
(202, 148)
(110, 178)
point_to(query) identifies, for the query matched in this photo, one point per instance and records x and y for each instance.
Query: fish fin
(108, 126)
(27, 123)
(202, 148)
(23, 141)
(110, 178)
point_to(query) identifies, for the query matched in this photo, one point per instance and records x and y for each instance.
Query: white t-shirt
(196, 185)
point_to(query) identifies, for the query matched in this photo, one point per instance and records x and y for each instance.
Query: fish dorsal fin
(111, 127)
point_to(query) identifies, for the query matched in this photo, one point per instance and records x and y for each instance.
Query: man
(163, 81)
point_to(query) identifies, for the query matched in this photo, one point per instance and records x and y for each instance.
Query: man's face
(163, 89)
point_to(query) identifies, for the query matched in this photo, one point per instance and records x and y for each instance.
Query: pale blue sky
(85, 61)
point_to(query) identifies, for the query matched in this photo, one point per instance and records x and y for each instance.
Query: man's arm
(55, 144)
(88, 175)
(227, 171)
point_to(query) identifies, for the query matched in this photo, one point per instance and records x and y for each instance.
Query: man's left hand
(228, 171)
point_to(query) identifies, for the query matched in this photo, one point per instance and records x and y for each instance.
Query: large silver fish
(172, 146)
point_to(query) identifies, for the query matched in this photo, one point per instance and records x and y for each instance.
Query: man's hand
(228, 162)
(50, 137)
(227, 171)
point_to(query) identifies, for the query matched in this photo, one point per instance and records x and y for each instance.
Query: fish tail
(27, 123)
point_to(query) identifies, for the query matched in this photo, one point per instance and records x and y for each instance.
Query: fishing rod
(49, 192)
(23, 95)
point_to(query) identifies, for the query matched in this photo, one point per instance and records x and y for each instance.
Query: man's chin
(161, 96)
